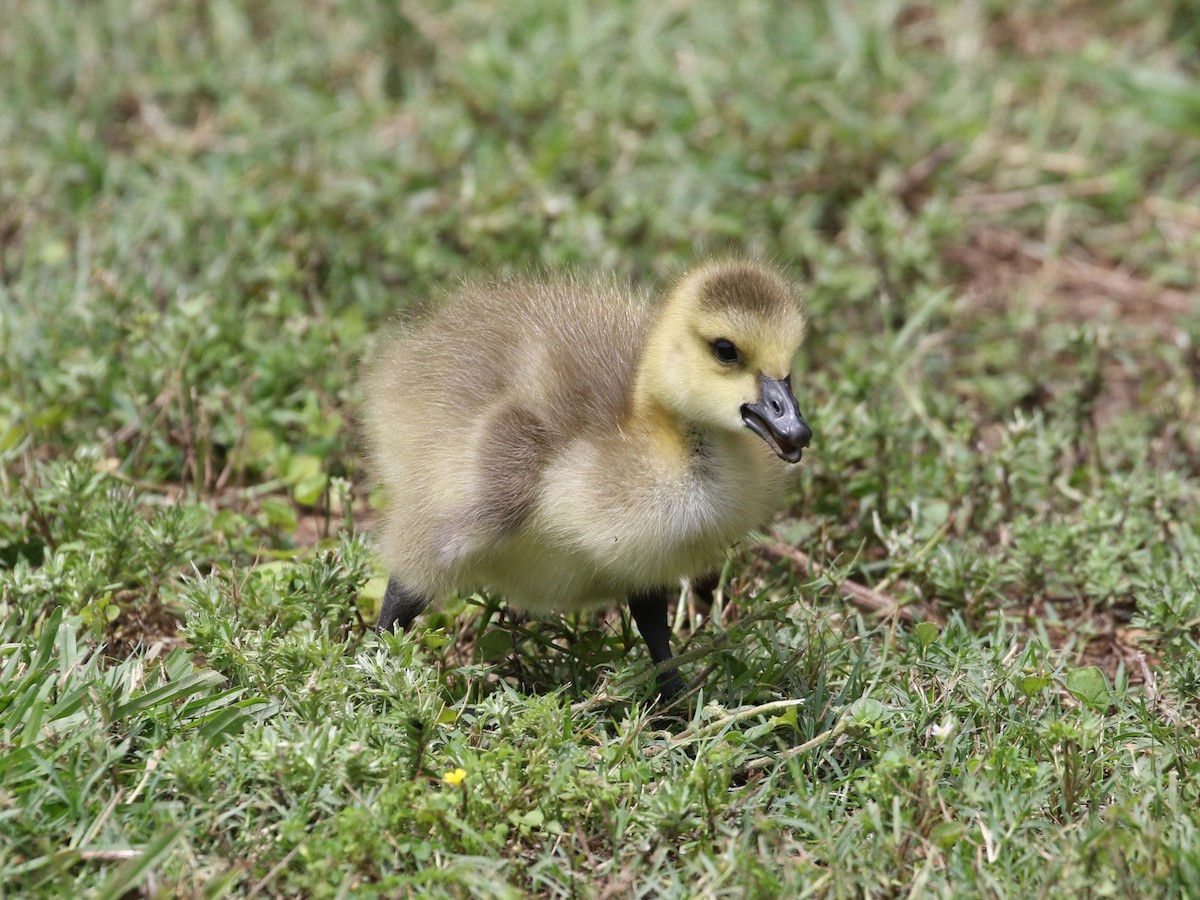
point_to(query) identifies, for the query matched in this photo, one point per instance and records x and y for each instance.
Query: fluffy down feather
(568, 441)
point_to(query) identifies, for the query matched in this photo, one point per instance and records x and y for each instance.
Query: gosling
(571, 444)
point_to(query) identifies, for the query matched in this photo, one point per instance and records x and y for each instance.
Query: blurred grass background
(210, 211)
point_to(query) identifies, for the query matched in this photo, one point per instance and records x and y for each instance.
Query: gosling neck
(652, 413)
(652, 420)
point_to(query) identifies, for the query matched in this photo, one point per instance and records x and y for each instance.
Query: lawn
(965, 662)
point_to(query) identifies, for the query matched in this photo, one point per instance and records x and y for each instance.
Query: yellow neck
(666, 435)
(650, 415)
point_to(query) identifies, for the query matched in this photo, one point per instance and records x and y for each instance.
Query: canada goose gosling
(570, 444)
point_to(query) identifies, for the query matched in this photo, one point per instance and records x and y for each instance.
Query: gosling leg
(649, 610)
(706, 585)
(400, 607)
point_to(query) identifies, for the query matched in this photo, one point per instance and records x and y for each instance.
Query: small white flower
(944, 730)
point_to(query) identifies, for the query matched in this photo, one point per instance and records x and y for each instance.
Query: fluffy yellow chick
(570, 443)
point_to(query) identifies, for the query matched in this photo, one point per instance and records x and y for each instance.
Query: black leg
(510, 620)
(704, 586)
(400, 607)
(649, 610)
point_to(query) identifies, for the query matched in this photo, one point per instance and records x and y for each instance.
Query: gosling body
(570, 443)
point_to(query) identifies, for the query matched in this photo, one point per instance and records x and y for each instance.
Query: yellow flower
(456, 777)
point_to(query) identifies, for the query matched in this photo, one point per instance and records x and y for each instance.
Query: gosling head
(720, 356)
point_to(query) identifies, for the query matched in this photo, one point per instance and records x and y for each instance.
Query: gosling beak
(776, 418)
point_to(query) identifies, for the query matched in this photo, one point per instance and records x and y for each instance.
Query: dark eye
(725, 350)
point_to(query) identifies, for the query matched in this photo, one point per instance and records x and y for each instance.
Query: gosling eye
(726, 351)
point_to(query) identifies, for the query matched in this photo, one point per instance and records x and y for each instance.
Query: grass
(210, 211)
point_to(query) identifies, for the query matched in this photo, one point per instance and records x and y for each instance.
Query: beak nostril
(776, 408)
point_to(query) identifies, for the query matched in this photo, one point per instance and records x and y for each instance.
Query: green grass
(209, 213)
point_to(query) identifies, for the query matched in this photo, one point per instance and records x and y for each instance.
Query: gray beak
(777, 420)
